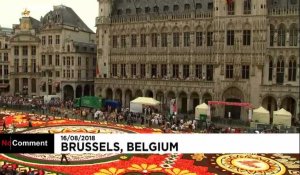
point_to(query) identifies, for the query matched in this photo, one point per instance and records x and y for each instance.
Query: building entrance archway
(233, 112)
(68, 92)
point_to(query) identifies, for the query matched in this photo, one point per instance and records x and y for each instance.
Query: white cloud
(10, 10)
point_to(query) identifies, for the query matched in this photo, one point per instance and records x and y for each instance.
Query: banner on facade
(173, 106)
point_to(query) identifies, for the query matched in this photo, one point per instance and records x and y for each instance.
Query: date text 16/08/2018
(115, 147)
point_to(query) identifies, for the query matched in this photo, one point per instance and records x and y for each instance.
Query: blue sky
(10, 10)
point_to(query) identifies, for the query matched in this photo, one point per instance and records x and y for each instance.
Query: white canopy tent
(201, 110)
(261, 115)
(282, 117)
(136, 105)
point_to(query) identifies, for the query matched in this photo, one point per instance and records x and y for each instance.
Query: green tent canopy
(89, 102)
(77, 102)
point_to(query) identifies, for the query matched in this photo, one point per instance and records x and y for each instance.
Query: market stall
(282, 117)
(261, 115)
(137, 104)
(201, 112)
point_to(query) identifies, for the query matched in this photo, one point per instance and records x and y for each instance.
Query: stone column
(138, 70)
(177, 102)
(287, 38)
(21, 85)
(29, 86)
(180, 70)
(200, 98)
(47, 82)
(169, 71)
(192, 71)
(12, 86)
(91, 89)
(297, 110)
(158, 71)
(128, 70)
(189, 102)
(123, 98)
(74, 89)
(119, 70)
(278, 103)
(82, 89)
(154, 94)
(113, 94)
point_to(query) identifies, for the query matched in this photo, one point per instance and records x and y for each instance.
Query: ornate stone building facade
(68, 54)
(24, 44)
(53, 56)
(200, 50)
(4, 59)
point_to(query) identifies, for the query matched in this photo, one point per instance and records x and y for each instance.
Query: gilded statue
(26, 13)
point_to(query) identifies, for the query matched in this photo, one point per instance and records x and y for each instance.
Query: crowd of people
(150, 117)
(34, 103)
(12, 169)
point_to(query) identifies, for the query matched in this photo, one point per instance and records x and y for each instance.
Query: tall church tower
(103, 42)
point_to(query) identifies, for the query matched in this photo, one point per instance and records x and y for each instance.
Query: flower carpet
(137, 164)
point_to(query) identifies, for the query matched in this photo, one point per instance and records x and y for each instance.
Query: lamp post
(229, 117)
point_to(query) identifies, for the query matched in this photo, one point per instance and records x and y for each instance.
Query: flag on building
(97, 70)
(229, 1)
(173, 106)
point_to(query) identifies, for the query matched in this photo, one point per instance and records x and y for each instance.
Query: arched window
(166, 8)
(272, 33)
(198, 5)
(68, 48)
(270, 69)
(292, 70)
(138, 10)
(156, 9)
(119, 12)
(280, 71)
(147, 9)
(128, 11)
(175, 8)
(293, 35)
(281, 35)
(0, 45)
(187, 7)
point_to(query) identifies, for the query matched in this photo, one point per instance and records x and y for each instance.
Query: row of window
(245, 71)
(67, 61)
(246, 7)
(187, 7)
(280, 69)
(25, 84)
(199, 39)
(163, 41)
(186, 71)
(66, 74)
(24, 66)
(50, 42)
(166, 9)
(57, 60)
(281, 35)
(3, 70)
(24, 50)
